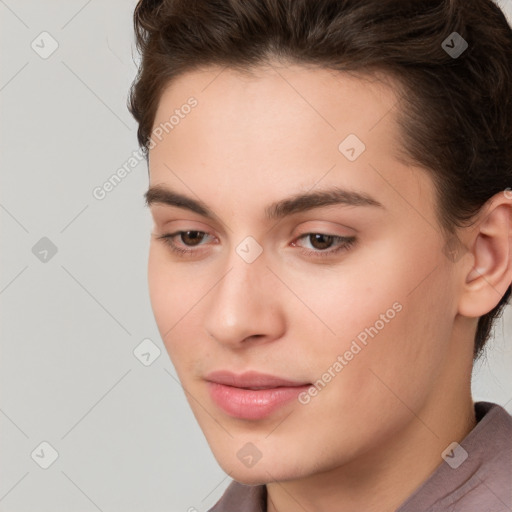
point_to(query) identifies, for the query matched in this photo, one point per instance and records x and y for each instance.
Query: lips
(252, 395)
(252, 380)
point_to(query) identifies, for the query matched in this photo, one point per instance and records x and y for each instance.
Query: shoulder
(492, 447)
(482, 475)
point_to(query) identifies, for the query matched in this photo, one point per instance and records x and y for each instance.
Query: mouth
(262, 387)
(252, 380)
(252, 395)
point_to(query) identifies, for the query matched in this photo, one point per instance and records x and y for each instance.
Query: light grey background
(125, 436)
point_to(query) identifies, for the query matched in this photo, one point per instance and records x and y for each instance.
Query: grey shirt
(474, 478)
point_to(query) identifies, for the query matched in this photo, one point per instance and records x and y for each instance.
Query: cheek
(357, 300)
(390, 323)
(160, 286)
(174, 295)
(171, 290)
(166, 295)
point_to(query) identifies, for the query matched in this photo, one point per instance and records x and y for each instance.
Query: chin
(261, 473)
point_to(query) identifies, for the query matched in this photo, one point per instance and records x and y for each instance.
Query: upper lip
(250, 379)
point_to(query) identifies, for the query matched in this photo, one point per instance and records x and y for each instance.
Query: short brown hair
(456, 115)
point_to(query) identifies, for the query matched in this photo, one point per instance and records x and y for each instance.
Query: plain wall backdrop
(115, 434)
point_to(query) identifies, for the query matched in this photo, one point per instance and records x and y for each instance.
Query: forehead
(279, 130)
(267, 99)
(279, 105)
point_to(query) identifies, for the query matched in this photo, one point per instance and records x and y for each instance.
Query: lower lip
(252, 404)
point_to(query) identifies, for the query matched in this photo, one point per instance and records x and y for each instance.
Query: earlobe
(491, 273)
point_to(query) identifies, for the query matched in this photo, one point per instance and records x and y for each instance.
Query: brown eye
(195, 237)
(320, 241)
(190, 238)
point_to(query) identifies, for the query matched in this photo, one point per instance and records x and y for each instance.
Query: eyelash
(346, 243)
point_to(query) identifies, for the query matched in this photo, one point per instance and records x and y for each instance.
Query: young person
(330, 189)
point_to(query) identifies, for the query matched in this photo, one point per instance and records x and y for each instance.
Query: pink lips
(230, 392)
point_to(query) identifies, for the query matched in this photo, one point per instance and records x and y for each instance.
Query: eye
(322, 239)
(194, 239)
(194, 236)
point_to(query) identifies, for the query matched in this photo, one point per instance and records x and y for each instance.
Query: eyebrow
(158, 194)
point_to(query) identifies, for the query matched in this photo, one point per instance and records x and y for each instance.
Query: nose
(244, 305)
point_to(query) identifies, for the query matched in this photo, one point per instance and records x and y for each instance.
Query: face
(353, 300)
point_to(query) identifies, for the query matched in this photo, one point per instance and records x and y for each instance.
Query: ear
(490, 244)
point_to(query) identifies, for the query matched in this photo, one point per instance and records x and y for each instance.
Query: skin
(377, 430)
